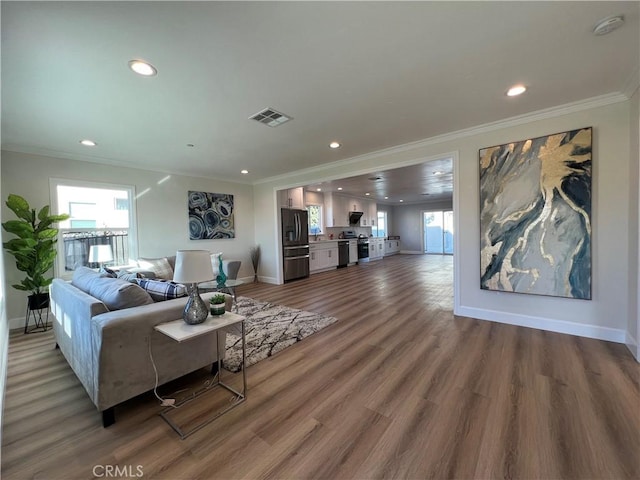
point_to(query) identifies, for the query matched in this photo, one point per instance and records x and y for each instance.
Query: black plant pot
(36, 303)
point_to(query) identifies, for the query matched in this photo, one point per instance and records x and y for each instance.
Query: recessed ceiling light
(143, 68)
(244, 172)
(608, 25)
(401, 200)
(386, 198)
(88, 143)
(339, 188)
(516, 90)
(318, 189)
(334, 145)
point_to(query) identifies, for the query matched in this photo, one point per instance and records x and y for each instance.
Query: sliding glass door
(438, 232)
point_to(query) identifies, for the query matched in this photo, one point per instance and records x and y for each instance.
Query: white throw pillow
(160, 266)
(215, 263)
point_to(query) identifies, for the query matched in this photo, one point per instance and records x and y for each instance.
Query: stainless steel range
(363, 248)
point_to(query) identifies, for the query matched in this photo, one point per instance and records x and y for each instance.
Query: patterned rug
(269, 329)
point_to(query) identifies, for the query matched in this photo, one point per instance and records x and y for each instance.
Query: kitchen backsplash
(336, 231)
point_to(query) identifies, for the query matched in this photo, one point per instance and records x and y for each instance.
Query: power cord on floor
(164, 402)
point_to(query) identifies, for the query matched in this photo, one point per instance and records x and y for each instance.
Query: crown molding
(632, 84)
(552, 112)
(45, 152)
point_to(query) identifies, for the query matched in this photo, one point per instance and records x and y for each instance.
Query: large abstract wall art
(535, 216)
(210, 216)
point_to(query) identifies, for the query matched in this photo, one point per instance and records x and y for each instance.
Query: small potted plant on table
(217, 304)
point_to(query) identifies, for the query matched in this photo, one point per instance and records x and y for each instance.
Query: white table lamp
(193, 267)
(100, 254)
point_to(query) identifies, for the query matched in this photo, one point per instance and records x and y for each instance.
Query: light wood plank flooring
(397, 388)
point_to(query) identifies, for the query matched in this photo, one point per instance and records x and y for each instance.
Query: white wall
(607, 314)
(408, 224)
(161, 211)
(633, 329)
(4, 334)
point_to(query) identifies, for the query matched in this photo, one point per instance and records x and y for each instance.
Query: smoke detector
(271, 117)
(609, 24)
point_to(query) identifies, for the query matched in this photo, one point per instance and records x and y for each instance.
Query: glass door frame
(443, 213)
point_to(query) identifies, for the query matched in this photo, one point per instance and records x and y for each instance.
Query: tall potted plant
(34, 248)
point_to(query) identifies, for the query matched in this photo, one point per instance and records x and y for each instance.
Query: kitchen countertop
(334, 240)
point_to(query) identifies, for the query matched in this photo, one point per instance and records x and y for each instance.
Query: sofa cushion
(83, 277)
(160, 267)
(162, 290)
(118, 294)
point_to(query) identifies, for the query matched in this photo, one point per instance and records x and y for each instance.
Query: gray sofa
(110, 349)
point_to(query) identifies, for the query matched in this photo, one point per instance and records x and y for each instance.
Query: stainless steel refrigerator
(295, 243)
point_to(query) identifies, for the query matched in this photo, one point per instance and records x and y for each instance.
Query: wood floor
(397, 388)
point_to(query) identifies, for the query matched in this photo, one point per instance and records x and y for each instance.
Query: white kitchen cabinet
(336, 211)
(338, 207)
(291, 198)
(376, 248)
(353, 251)
(391, 247)
(372, 211)
(323, 256)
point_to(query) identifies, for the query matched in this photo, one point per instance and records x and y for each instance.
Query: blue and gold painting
(210, 216)
(535, 216)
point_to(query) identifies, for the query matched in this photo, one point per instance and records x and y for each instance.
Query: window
(438, 232)
(100, 215)
(315, 219)
(382, 224)
(82, 215)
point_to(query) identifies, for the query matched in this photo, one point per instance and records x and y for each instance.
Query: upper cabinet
(291, 198)
(372, 212)
(337, 208)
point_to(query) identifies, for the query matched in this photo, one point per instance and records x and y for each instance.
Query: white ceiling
(371, 75)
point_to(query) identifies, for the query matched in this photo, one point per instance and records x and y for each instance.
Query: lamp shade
(193, 266)
(100, 253)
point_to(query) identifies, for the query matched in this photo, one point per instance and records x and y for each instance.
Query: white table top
(181, 331)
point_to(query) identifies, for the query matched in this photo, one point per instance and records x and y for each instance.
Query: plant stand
(40, 321)
(35, 307)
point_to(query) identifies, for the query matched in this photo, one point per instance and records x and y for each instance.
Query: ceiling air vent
(270, 117)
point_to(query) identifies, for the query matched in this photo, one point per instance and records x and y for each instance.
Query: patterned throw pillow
(107, 272)
(162, 290)
(128, 276)
(160, 267)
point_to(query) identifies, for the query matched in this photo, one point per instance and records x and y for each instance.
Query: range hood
(354, 218)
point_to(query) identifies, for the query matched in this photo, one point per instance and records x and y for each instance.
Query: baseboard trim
(549, 324)
(15, 323)
(633, 346)
(411, 252)
(271, 280)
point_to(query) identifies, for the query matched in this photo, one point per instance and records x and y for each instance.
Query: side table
(179, 331)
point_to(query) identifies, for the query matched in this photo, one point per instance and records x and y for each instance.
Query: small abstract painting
(210, 216)
(535, 216)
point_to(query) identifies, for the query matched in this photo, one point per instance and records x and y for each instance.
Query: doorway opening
(438, 232)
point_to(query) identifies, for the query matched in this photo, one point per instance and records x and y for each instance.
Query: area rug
(269, 328)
